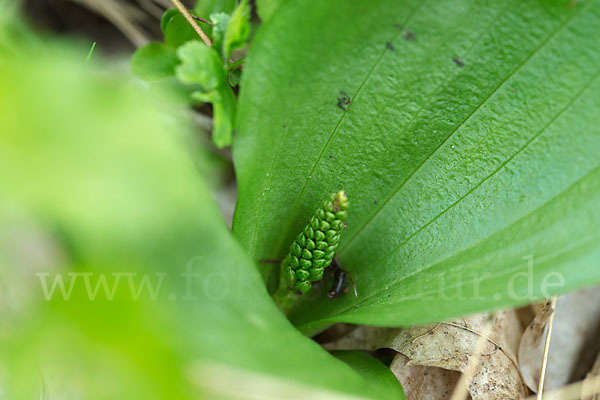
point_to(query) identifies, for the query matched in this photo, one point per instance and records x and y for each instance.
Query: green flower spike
(313, 249)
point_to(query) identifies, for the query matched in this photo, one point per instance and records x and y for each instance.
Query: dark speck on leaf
(389, 46)
(398, 26)
(284, 126)
(343, 101)
(389, 295)
(290, 83)
(374, 201)
(330, 156)
(409, 35)
(458, 61)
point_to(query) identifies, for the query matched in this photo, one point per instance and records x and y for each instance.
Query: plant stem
(284, 297)
(184, 11)
(235, 64)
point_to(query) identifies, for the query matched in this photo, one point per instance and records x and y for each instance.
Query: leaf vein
(490, 95)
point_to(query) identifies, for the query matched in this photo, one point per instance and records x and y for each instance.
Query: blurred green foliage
(100, 189)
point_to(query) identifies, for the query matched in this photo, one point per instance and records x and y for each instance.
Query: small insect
(339, 281)
(344, 100)
(458, 61)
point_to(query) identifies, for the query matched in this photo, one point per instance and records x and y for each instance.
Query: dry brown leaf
(450, 345)
(574, 340)
(532, 347)
(592, 382)
(424, 383)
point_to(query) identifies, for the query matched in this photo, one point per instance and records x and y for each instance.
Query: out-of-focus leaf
(174, 90)
(154, 61)
(200, 64)
(466, 134)
(238, 29)
(97, 184)
(375, 372)
(266, 8)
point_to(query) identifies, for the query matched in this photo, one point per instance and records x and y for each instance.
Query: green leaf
(466, 135)
(238, 29)
(375, 372)
(220, 21)
(154, 61)
(177, 30)
(204, 8)
(167, 18)
(101, 183)
(173, 90)
(266, 8)
(200, 64)
(224, 104)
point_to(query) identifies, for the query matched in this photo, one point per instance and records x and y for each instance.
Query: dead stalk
(546, 349)
(190, 19)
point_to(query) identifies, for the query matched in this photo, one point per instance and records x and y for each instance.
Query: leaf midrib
(278, 245)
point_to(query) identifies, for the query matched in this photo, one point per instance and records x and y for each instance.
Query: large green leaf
(373, 370)
(96, 180)
(466, 134)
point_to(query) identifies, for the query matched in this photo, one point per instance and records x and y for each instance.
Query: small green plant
(197, 72)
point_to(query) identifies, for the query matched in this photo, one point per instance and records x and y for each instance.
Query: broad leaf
(98, 184)
(266, 8)
(374, 371)
(466, 134)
